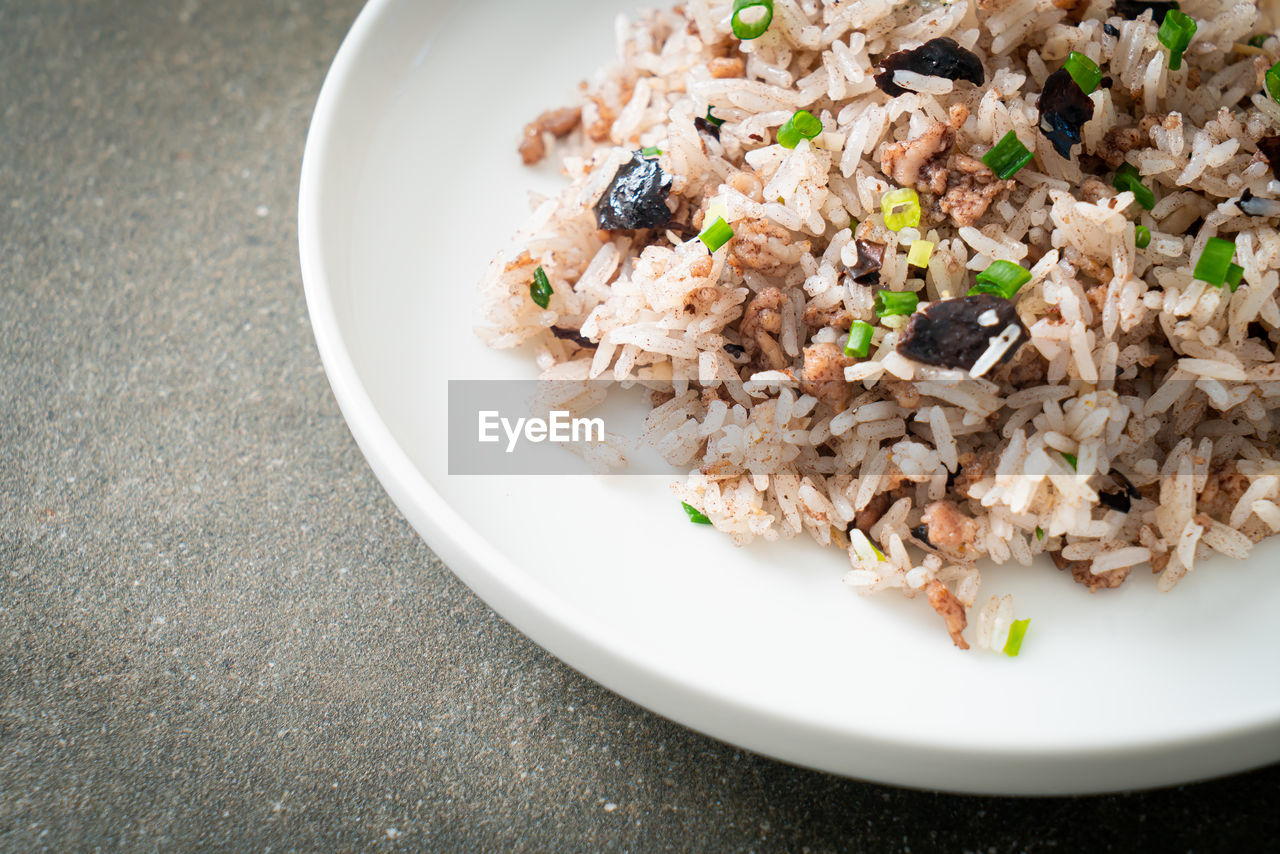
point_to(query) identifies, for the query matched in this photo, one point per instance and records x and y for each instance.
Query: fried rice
(1115, 410)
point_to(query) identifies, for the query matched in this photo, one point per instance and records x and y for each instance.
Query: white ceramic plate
(410, 184)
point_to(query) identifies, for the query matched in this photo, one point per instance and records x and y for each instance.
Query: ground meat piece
(1222, 491)
(558, 123)
(970, 191)
(750, 247)
(836, 316)
(921, 162)
(824, 366)
(1119, 141)
(599, 129)
(948, 527)
(950, 609)
(904, 393)
(1081, 573)
(761, 320)
(723, 67)
(1027, 369)
(1093, 191)
(869, 515)
(973, 468)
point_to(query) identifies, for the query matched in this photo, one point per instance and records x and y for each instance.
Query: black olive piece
(1129, 488)
(1110, 30)
(866, 271)
(921, 533)
(737, 351)
(1131, 9)
(941, 57)
(1114, 500)
(1064, 108)
(1257, 205)
(636, 198)
(709, 128)
(572, 335)
(949, 334)
(1270, 148)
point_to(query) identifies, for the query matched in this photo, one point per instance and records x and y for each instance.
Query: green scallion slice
(650, 152)
(888, 303)
(1002, 278)
(1235, 275)
(1257, 41)
(716, 235)
(713, 119)
(1272, 81)
(859, 343)
(760, 19)
(1017, 631)
(1127, 179)
(540, 291)
(1039, 533)
(1176, 33)
(695, 515)
(1072, 459)
(1141, 236)
(1084, 71)
(1008, 156)
(803, 125)
(1215, 261)
(901, 209)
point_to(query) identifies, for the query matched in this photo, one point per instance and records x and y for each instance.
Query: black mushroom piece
(573, 335)
(1131, 9)
(736, 351)
(1270, 148)
(636, 198)
(866, 271)
(1064, 108)
(1257, 205)
(955, 333)
(935, 58)
(1122, 499)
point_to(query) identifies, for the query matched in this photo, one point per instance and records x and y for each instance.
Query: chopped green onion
(1002, 278)
(1272, 79)
(1072, 459)
(862, 547)
(888, 303)
(540, 291)
(695, 515)
(901, 209)
(713, 119)
(1257, 41)
(650, 152)
(1235, 275)
(919, 253)
(716, 235)
(754, 29)
(1008, 156)
(803, 125)
(1176, 33)
(1084, 71)
(1215, 261)
(1141, 236)
(859, 343)
(1127, 179)
(1017, 631)
(1039, 533)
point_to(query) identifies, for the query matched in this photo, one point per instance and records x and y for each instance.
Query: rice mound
(1159, 388)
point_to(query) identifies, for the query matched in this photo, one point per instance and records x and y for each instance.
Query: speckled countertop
(215, 629)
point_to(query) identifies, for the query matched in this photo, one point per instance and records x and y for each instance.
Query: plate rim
(580, 642)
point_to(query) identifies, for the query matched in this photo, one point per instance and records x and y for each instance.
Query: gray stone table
(215, 630)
